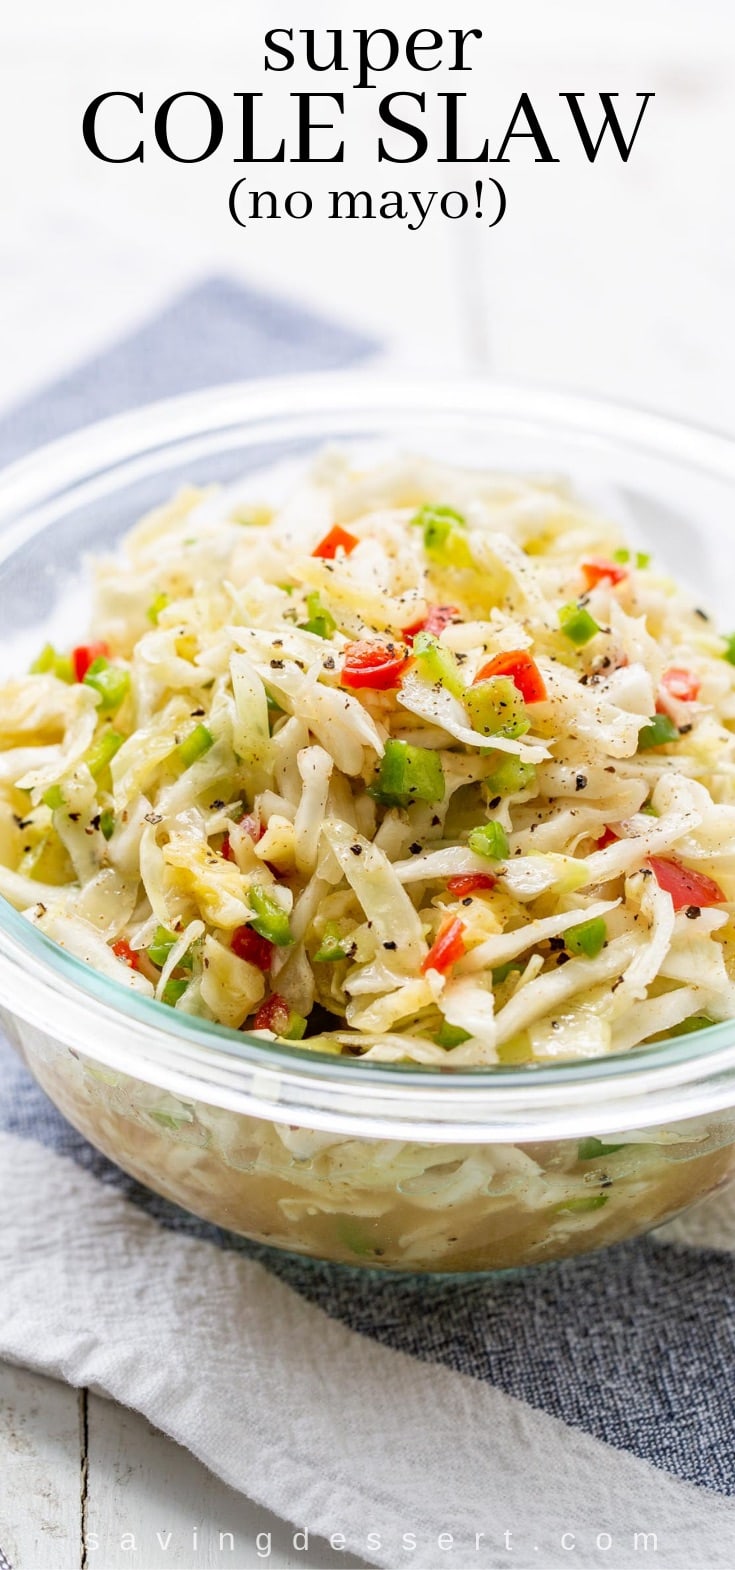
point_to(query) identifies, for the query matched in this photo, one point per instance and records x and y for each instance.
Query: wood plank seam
(83, 1473)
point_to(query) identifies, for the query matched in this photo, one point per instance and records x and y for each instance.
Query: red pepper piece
(447, 948)
(273, 1015)
(607, 838)
(123, 951)
(523, 672)
(337, 538)
(249, 945)
(227, 850)
(684, 886)
(681, 684)
(85, 655)
(467, 882)
(599, 570)
(376, 665)
(436, 619)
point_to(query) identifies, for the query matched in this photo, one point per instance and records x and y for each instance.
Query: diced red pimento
(599, 570)
(376, 665)
(273, 1015)
(436, 619)
(686, 888)
(681, 684)
(608, 837)
(447, 948)
(523, 672)
(337, 539)
(249, 945)
(85, 655)
(469, 882)
(227, 850)
(122, 949)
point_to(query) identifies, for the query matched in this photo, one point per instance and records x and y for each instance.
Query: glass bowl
(397, 1167)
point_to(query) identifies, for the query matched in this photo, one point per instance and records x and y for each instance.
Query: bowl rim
(675, 1078)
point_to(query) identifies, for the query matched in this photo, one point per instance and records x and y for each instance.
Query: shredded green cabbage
(241, 795)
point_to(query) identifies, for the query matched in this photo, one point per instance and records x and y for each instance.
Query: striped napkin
(576, 1416)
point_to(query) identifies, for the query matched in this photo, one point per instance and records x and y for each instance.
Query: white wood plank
(40, 1472)
(140, 1482)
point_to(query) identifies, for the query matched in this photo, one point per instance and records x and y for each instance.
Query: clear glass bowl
(399, 1167)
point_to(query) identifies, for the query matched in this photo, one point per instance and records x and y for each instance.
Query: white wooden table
(614, 281)
(86, 1483)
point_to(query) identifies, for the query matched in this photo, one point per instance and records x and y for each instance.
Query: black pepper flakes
(356, 850)
(563, 959)
(495, 802)
(580, 782)
(389, 944)
(693, 912)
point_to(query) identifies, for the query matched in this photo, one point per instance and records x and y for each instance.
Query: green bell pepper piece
(491, 840)
(268, 917)
(589, 938)
(657, 733)
(110, 681)
(195, 745)
(437, 664)
(451, 1035)
(103, 751)
(577, 624)
(496, 708)
(408, 774)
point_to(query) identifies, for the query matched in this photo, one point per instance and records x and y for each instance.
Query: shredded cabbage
(508, 839)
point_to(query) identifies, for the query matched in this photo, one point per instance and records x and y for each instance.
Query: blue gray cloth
(216, 332)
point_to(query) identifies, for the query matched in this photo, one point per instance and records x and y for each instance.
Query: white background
(611, 279)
